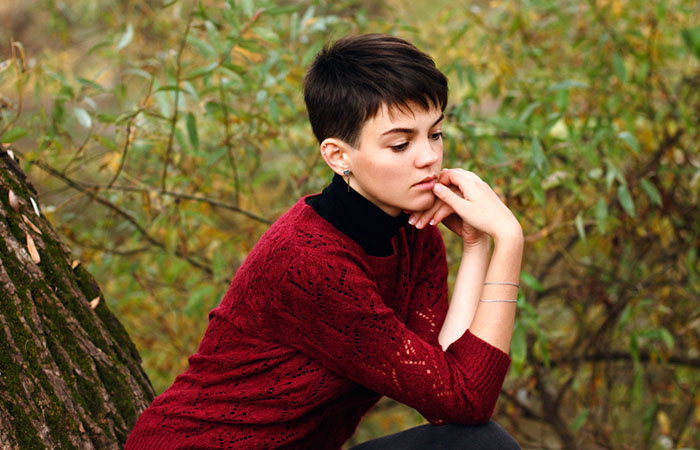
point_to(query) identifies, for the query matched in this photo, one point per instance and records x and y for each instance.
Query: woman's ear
(336, 154)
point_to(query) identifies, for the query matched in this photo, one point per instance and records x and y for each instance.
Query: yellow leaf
(664, 423)
(30, 224)
(32, 250)
(94, 302)
(74, 264)
(14, 201)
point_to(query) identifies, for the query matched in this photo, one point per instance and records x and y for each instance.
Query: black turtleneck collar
(357, 217)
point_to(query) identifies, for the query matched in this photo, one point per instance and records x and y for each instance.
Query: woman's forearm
(466, 293)
(490, 315)
(493, 321)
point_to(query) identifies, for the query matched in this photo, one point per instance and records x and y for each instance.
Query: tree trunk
(70, 377)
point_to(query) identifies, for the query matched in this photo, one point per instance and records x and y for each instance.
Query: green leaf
(202, 70)
(191, 122)
(282, 10)
(624, 317)
(580, 419)
(601, 215)
(530, 281)
(580, 228)
(651, 191)
(267, 34)
(528, 111)
(623, 195)
(536, 188)
(536, 154)
(126, 37)
(629, 140)
(213, 34)
(691, 37)
(508, 125)
(83, 117)
(595, 173)
(197, 299)
(169, 88)
(138, 72)
(613, 174)
(203, 47)
(90, 83)
(248, 8)
(667, 337)
(13, 135)
(518, 345)
(471, 77)
(566, 85)
(619, 67)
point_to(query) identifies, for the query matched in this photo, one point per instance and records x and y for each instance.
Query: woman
(344, 298)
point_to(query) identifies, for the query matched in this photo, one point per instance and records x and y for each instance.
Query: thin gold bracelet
(498, 301)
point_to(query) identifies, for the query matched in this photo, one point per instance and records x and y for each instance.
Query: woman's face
(398, 159)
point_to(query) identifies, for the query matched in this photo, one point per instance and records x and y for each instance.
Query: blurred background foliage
(166, 135)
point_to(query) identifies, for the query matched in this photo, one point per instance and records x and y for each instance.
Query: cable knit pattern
(311, 331)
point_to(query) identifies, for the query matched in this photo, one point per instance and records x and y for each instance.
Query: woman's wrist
(511, 237)
(481, 246)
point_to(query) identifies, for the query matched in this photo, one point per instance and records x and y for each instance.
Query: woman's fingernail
(432, 222)
(437, 188)
(412, 220)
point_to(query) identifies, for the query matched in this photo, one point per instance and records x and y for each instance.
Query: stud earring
(346, 173)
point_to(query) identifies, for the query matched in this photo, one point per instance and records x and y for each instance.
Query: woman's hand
(470, 208)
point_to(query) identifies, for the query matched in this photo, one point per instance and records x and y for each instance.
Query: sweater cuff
(486, 364)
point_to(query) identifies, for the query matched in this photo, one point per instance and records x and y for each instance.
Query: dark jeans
(489, 436)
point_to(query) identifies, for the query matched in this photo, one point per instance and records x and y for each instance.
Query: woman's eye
(436, 136)
(399, 147)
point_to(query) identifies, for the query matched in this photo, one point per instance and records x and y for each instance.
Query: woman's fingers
(445, 194)
(422, 218)
(433, 215)
(478, 206)
(467, 182)
(444, 211)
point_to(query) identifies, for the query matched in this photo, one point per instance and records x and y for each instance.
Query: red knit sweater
(310, 334)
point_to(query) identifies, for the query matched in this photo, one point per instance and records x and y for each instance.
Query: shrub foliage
(168, 135)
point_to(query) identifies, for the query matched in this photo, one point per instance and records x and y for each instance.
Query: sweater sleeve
(429, 298)
(328, 308)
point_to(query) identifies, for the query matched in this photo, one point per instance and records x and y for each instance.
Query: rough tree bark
(70, 377)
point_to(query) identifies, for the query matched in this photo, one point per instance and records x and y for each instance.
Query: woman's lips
(426, 183)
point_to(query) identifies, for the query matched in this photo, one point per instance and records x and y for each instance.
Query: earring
(346, 173)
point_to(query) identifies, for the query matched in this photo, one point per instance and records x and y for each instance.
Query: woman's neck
(357, 217)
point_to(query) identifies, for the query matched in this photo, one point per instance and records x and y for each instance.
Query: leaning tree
(70, 377)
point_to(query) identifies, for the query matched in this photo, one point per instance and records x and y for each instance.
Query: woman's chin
(420, 205)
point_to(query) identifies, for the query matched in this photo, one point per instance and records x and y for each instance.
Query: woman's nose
(428, 154)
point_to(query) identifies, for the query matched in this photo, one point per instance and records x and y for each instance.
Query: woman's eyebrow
(412, 130)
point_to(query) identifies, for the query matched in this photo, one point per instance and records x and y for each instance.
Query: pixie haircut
(350, 80)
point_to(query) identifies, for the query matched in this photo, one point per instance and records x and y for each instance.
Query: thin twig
(93, 194)
(620, 356)
(183, 196)
(229, 149)
(129, 136)
(19, 86)
(80, 149)
(173, 120)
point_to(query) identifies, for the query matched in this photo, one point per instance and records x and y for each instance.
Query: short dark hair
(349, 81)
